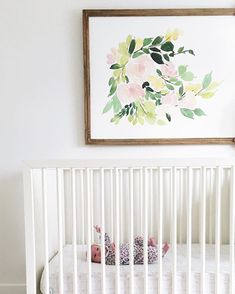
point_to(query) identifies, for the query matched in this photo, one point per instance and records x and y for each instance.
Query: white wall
(41, 110)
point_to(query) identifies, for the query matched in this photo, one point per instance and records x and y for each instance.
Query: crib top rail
(135, 163)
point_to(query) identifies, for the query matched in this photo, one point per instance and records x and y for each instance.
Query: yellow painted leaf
(156, 83)
(161, 122)
(193, 87)
(123, 48)
(213, 86)
(139, 44)
(124, 59)
(128, 40)
(207, 95)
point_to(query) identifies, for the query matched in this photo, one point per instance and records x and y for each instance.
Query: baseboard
(12, 289)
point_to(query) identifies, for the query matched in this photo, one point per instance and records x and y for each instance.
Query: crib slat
(181, 199)
(29, 211)
(60, 230)
(117, 236)
(82, 205)
(160, 205)
(189, 228)
(92, 200)
(88, 187)
(102, 229)
(145, 188)
(203, 227)
(131, 232)
(74, 202)
(174, 228)
(45, 231)
(211, 203)
(111, 203)
(217, 229)
(232, 219)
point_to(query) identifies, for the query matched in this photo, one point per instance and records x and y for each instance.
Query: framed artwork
(159, 76)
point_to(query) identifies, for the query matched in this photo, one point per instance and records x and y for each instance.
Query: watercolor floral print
(147, 86)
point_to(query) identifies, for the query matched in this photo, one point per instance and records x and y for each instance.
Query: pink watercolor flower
(128, 93)
(189, 101)
(170, 99)
(112, 57)
(169, 69)
(139, 69)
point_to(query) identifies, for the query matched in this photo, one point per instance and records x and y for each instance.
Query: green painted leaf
(149, 89)
(159, 72)
(170, 87)
(115, 66)
(111, 81)
(187, 76)
(147, 41)
(132, 46)
(168, 46)
(182, 69)
(127, 79)
(154, 49)
(207, 80)
(181, 49)
(146, 51)
(157, 58)
(137, 54)
(116, 104)
(191, 52)
(152, 96)
(166, 57)
(168, 116)
(108, 106)
(187, 112)
(181, 90)
(178, 83)
(157, 40)
(113, 88)
(199, 112)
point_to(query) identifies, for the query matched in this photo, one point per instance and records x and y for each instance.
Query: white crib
(188, 203)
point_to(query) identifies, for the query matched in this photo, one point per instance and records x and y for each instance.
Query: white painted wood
(232, 225)
(144, 185)
(117, 235)
(160, 215)
(74, 216)
(60, 230)
(174, 229)
(111, 203)
(83, 205)
(211, 203)
(45, 231)
(189, 228)
(88, 189)
(135, 162)
(203, 227)
(29, 232)
(103, 280)
(146, 196)
(131, 232)
(217, 230)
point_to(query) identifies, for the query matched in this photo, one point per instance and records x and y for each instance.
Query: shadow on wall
(12, 257)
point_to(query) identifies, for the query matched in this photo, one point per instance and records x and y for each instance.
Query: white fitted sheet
(139, 273)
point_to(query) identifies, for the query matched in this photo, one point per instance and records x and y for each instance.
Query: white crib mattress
(139, 273)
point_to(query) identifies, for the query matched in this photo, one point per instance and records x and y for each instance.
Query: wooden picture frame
(173, 93)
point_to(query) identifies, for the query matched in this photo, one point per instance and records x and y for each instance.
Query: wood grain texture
(136, 13)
